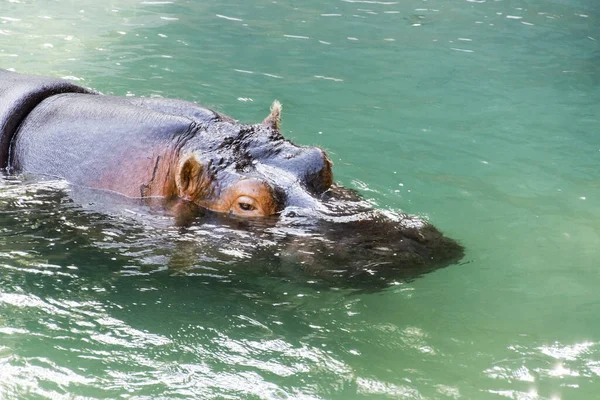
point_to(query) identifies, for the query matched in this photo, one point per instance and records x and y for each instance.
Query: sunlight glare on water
(478, 115)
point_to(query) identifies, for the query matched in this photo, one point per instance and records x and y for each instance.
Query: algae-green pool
(481, 116)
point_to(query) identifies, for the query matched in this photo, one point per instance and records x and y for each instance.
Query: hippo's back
(19, 95)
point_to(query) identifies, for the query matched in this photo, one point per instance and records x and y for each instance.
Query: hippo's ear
(274, 118)
(190, 179)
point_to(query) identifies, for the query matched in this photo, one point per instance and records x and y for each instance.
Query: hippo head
(252, 170)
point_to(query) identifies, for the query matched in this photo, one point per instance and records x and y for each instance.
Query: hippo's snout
(374, 246)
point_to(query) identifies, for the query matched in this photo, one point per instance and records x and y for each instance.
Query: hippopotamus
(148, 148)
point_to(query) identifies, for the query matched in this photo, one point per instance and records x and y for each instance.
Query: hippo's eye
(251, 198)
(246, 206)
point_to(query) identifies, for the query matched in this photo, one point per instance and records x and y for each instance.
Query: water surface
(481, 116)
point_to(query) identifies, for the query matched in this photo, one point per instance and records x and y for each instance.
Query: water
(479, 115)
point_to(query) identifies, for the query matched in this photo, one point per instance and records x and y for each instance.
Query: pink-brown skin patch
(247, 197)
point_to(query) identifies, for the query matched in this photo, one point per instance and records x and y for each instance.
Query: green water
(481, 115)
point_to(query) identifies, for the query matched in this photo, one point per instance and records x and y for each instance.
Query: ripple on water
(96, 304)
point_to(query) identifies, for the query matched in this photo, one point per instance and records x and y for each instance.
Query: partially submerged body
(172, 149)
